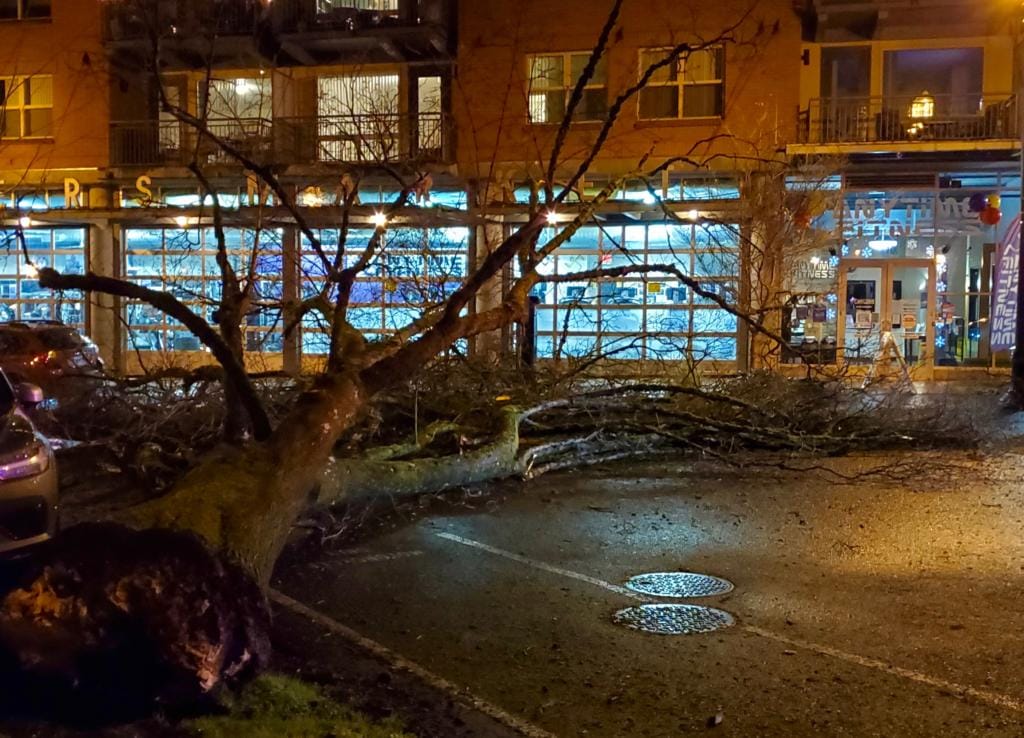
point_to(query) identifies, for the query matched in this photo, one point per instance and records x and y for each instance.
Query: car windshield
(60, 339)
(14, 342)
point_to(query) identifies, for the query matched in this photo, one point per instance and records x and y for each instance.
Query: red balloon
(990, 215)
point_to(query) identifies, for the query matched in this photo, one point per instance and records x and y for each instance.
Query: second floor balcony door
(359, 118)
(239, 112)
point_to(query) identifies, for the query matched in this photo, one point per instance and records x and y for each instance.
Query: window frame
(21, 16)
(680, 83)
(567, 87)
(16, 84)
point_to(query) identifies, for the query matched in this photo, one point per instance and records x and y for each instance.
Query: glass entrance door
(862, 295)
(886, 307)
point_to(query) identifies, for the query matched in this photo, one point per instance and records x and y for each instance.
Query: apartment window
(327, 7)
(23, 9)
(552, 79)
(359, 118)
(693, 87)
(238, 98)
(27, 107)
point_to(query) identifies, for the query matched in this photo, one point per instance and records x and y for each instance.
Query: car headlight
(25, 462)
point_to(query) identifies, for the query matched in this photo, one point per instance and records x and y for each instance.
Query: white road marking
(984, 695)
(545, 567)
(375, 558)
(993, 698)
(400, 662)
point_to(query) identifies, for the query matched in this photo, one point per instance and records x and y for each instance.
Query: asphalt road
(873, 608)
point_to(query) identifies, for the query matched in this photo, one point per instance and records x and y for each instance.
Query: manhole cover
(679, 584)
(674, 619)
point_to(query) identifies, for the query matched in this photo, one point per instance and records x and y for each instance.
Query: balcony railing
(363, 139)
(892, 119)
(126, 21)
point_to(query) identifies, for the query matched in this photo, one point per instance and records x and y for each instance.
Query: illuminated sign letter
(72, 193)
(142, 185)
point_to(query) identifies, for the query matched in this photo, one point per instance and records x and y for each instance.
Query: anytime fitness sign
(1003, 329)
(908, 215)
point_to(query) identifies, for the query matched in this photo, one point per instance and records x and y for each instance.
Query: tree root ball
(111, 623)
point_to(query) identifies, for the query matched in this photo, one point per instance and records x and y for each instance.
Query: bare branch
(171, 306)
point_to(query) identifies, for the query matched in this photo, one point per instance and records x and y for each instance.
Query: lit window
(24, 9)
(183, 262)
(331, 6)
(693, 87)
(552, 79)
(923, 106)
(27, 107)
(21, 256)
(414, 270)
(636, 316)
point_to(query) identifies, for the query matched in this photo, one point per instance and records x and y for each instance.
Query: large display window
(21, 297)
(411, 270)
(183, 262)
(643, 316)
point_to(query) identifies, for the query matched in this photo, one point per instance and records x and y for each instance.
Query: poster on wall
(1004, 298)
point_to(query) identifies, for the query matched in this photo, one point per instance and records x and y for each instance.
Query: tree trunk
(176, 608)
(353, 479)
(243, 501)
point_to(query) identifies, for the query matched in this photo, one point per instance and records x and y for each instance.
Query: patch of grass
(275, 706)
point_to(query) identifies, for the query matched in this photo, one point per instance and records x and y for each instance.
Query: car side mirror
(29, 395)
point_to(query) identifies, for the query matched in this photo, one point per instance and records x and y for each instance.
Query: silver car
(28, 472)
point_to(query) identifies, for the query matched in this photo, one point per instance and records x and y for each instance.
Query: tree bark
(244, 501)
(354, 479)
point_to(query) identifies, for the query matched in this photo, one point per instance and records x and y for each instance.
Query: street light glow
(380, 220)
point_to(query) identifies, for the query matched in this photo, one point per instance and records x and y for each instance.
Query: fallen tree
(175, 606)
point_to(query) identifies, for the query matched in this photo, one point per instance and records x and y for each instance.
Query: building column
(764, 270)
(493, 344)
(105, 327)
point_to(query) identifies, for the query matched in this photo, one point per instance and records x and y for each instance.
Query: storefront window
(21, 297)
(183, 262)
(413, 269)
(952, 232)
(652, 316)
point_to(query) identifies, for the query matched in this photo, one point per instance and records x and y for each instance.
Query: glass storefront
(899, 253)
(415, 268)
(183, 262)
(21, 297)
(652, 316)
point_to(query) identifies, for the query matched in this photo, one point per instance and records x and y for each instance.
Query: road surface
(879, 607)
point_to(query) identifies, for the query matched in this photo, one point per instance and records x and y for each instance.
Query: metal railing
(889, 119)
(185, 18)
(321, 139)
(181, 18)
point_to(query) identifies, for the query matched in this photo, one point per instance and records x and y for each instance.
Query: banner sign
(1003, 328)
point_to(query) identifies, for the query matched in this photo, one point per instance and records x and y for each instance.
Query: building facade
(902, 124)
(919, 102)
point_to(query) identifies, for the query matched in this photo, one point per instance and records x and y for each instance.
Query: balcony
(342, 139)
(910, 119)
(284, 32)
